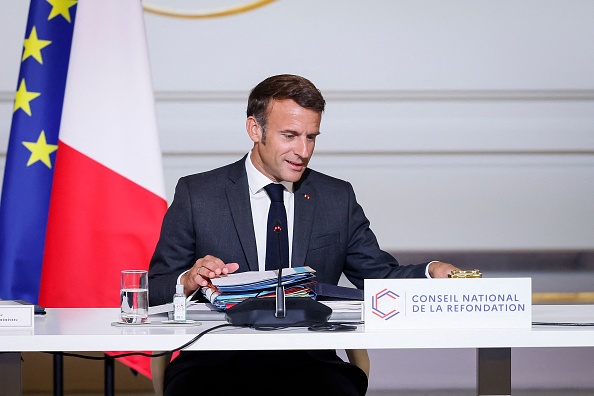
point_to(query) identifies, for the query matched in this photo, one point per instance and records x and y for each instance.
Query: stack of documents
(232, 289)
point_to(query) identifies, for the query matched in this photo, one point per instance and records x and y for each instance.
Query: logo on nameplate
(448, 303)
(384, 304)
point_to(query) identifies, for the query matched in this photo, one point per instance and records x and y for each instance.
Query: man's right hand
(203, 271)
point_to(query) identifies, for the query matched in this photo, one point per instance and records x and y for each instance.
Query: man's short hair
(283, 87)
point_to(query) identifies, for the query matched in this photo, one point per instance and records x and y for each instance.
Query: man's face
(291, 134)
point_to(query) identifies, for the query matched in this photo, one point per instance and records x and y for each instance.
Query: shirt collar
(256, 179)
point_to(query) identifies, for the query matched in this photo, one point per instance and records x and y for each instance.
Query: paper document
(260, 280)
(345, 310)
(341, 311)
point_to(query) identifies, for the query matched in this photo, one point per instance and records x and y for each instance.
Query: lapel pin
(306, 196)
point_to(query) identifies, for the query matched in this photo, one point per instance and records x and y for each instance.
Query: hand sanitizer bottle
(179, 304)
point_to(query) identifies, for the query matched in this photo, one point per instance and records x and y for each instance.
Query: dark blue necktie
(277, 217)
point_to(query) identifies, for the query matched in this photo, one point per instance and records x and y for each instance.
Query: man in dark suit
(217, 225)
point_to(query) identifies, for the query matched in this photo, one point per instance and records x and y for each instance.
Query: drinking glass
(134, 296)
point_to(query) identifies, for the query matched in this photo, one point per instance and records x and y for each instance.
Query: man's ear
(253, 129)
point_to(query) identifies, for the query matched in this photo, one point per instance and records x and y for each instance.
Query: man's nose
(302, 148)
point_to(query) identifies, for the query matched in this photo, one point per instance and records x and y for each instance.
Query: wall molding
(401, 153)
(396, 96)
(560, 95)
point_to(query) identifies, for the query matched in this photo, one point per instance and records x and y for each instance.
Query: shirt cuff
(427, 268)
(179, 282)
(180, 275)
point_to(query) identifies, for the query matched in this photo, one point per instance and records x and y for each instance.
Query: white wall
(462, 124)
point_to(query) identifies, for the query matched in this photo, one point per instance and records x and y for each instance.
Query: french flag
(107, 201)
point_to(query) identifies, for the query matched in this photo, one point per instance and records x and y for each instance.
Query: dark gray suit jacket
(211, 214)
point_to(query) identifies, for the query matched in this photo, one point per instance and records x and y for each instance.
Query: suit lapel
(305, 204)
(241, 211)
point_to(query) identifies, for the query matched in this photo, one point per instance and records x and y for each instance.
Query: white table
(92, 330)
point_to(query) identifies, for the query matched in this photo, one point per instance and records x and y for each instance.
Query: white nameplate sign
(16, 315)
(448, 303)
